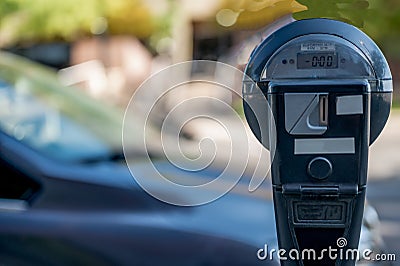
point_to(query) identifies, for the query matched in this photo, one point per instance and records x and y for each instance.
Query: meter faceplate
(318, 56)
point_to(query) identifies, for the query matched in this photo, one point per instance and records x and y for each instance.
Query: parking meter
(329, 89)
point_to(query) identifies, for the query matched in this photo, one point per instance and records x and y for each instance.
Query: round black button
(319, 168)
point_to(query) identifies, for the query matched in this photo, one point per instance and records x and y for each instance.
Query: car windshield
(59, 122)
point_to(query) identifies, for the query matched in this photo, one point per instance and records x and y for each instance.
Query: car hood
(239, 214)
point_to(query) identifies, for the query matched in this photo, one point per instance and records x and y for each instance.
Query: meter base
(328, 224)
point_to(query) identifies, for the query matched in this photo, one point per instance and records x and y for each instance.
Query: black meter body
(329, 88)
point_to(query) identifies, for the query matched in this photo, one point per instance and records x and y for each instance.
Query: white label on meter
(318, 46)
(324, 146)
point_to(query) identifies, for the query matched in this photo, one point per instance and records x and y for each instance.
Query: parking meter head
(320, 50)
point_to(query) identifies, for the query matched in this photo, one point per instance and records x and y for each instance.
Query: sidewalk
(384, 159)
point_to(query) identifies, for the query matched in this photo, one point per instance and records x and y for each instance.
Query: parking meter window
(317, 60)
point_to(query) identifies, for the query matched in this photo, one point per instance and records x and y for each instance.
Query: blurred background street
(384, 182)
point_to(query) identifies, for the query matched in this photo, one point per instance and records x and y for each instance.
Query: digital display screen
(317, 60)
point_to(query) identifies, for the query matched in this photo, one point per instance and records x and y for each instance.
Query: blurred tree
(350, 11)
(7, 7)
(131, 17)
(254, 14)
(383, 24)
(47, 20)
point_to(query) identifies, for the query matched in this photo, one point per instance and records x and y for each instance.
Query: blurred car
(67, 196)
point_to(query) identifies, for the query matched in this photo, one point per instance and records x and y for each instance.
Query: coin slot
(323, 110)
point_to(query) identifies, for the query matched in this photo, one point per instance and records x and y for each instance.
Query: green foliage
(128, 17)
(384, 25)
(380, 19)
(7, 7)
(256, 14)
(350, 11)
(47, 20)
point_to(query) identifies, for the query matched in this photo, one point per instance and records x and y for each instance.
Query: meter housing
(329, 89)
